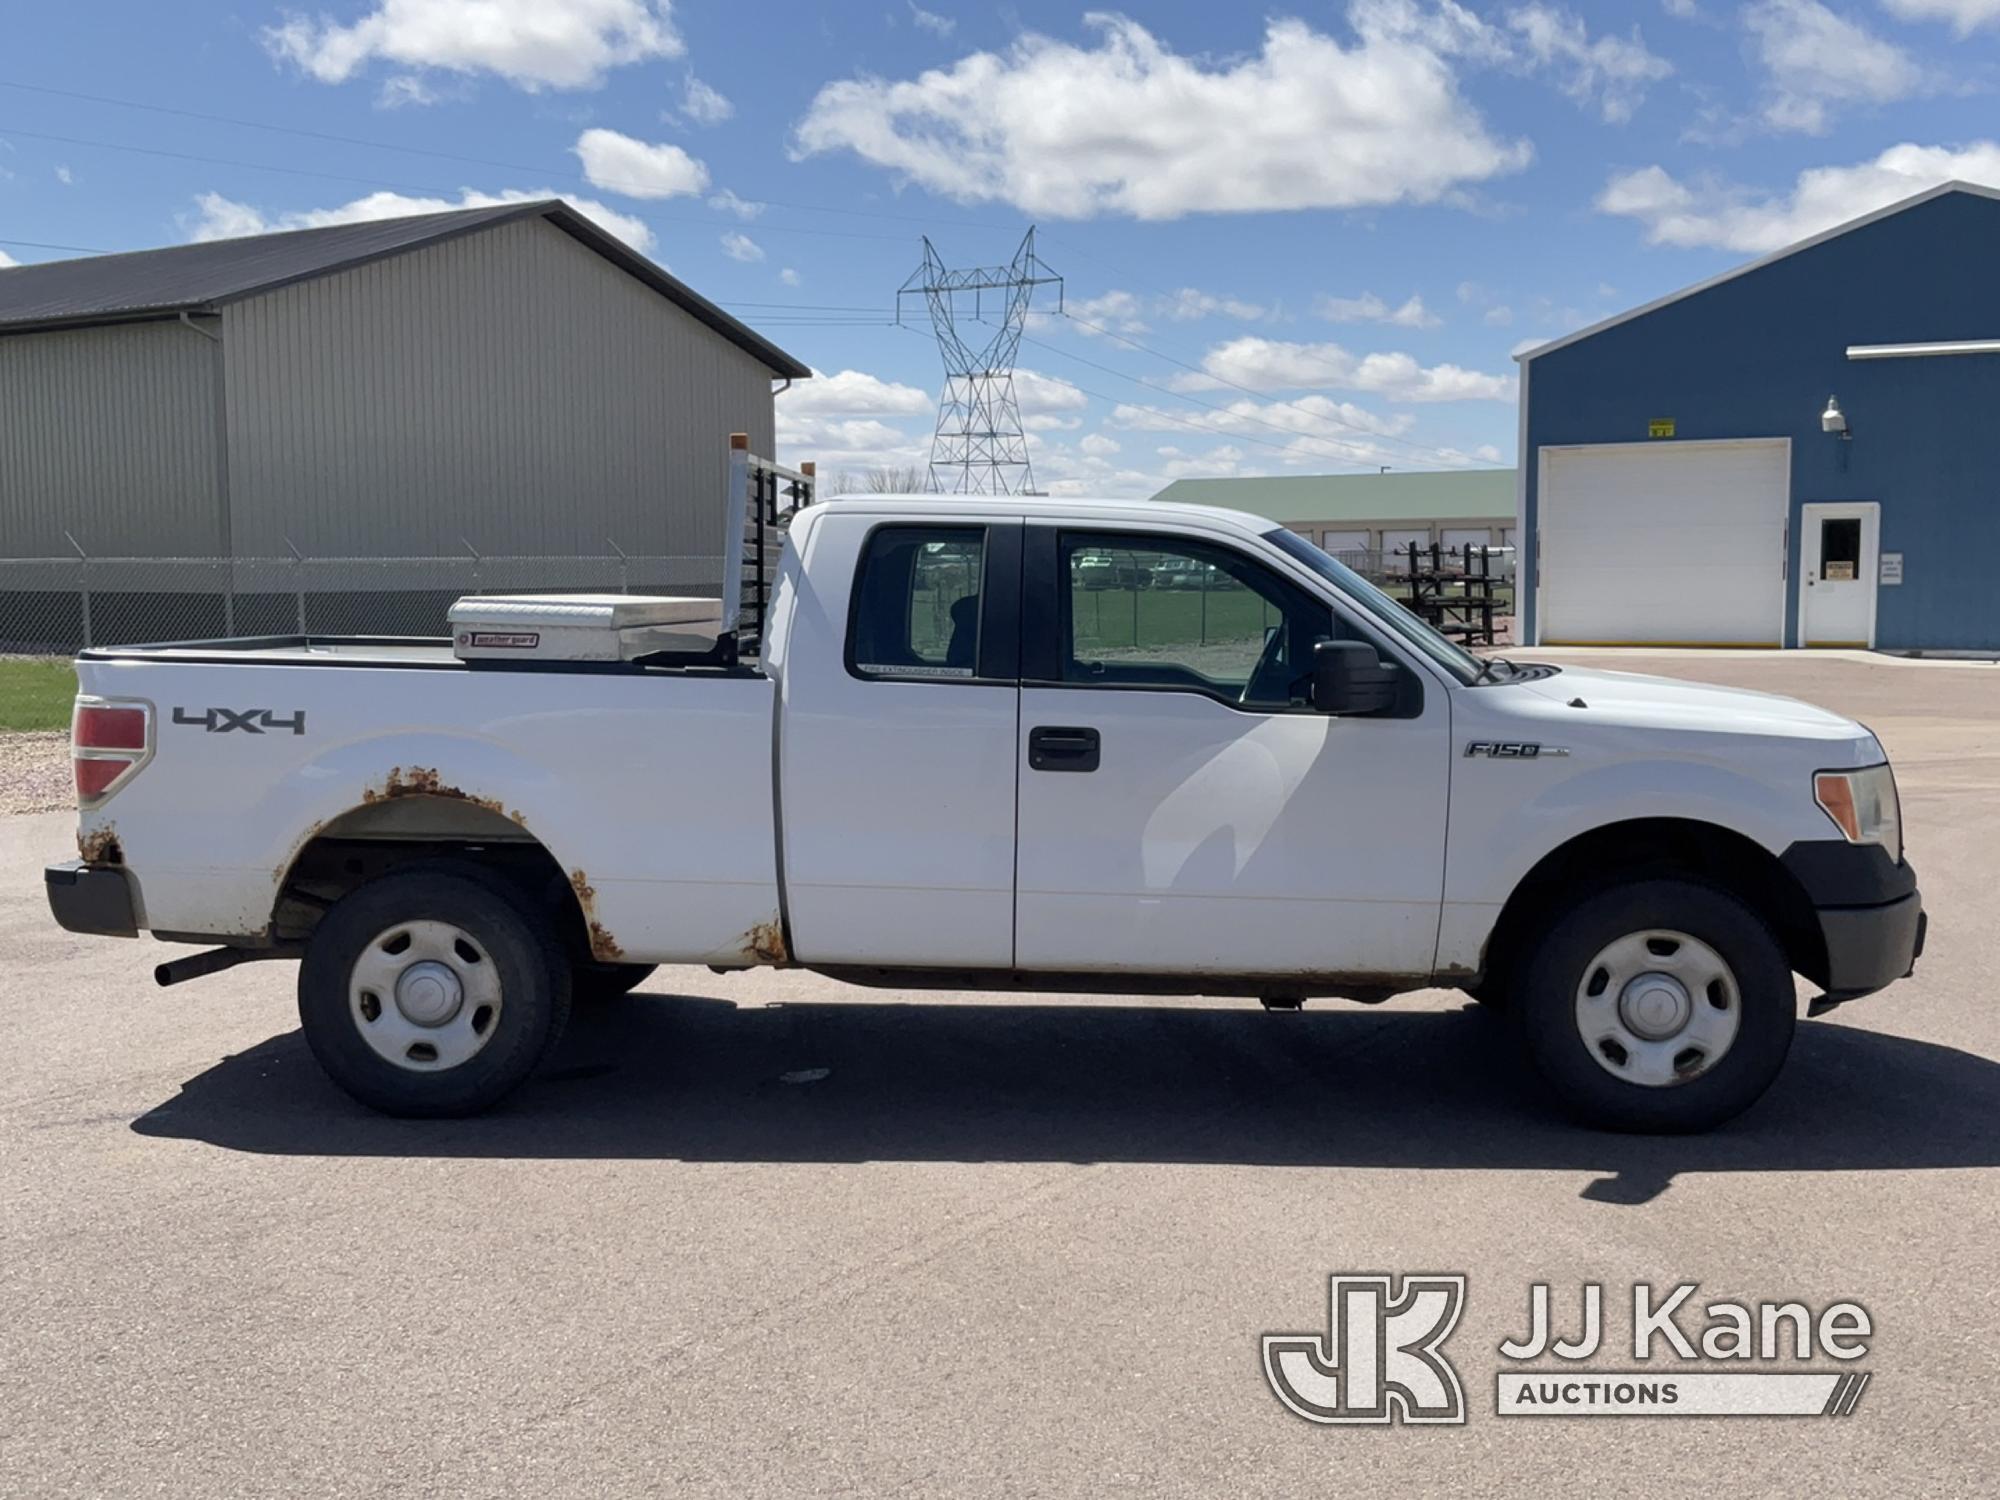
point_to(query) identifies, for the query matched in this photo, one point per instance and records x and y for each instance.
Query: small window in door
(916, 603)
(1839, 548)
(1159, 612)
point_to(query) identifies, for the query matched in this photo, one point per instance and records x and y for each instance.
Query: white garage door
(1679, 542)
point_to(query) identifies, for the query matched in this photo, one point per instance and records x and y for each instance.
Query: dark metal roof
(202, 278)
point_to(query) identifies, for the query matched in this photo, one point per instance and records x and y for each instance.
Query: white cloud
(1307, 416)
(402, 90)
(1726, 216)
(1683, 10)
(931, 21)
(7, 260)
(1608, 71)
(1313, 431)
(1128, 126)
(638, 169)
(65, 176)
(1127, 312)
(703, 104)
(530, 43)
(220, 218)
(853, 393)
(1097, 445)
(1190, 303)
(1123, 312)
(1042, 395)
(789, 277)
(739, 246)
(1498, 317)
(1278, 365)
(728, 203)
(1816, 59)
(1965, 16)
(1369, 308)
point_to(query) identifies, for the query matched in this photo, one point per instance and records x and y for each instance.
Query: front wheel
(432, 993)
(1661, 1006)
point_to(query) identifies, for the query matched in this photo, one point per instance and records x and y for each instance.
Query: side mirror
(1349, 678)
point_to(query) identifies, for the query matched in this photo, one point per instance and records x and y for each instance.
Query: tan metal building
(510, 380)
(1371, 513)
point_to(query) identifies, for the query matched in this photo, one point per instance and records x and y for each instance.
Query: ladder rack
(763, 496)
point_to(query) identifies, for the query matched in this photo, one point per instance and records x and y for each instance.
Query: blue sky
(1302, 239)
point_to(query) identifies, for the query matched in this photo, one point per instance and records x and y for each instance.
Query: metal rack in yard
(1452, 589)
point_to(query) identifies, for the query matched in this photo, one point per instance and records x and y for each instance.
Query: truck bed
(649, 786)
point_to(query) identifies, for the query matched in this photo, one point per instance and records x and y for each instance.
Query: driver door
(1182, 808)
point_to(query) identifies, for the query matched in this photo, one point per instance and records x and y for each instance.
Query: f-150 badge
(1513, 749)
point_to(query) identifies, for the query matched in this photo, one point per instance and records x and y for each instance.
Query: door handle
(1053, 748)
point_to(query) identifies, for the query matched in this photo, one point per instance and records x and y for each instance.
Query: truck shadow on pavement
(693, 1079)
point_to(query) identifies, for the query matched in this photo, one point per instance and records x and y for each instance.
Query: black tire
(593, 982)
(532, 974)
(1545, 1006)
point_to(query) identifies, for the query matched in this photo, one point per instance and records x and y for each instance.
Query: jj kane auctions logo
(1381, 1358)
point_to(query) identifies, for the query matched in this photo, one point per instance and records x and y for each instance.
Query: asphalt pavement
(766, 1234)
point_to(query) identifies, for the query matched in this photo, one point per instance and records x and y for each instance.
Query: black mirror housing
(1348, 678)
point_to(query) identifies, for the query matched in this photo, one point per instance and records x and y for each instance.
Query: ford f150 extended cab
(990, 742)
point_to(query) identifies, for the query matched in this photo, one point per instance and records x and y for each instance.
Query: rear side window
(916, 602)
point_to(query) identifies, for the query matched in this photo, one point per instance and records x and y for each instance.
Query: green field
(35, 693)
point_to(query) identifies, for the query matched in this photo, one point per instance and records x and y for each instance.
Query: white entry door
(1838, 556)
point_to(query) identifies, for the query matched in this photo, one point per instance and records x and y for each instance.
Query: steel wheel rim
(425, 996)
(1658, 1008)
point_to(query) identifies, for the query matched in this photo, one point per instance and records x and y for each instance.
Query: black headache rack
(763, 497)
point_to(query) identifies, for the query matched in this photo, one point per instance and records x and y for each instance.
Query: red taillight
(109, 742)
(102, 728)
(94, 776)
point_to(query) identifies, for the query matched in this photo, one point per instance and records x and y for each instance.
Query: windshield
(1382, 608)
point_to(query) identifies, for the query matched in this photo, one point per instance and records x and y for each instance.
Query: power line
(1291, 432)
(1424, 449)
(1194, 424)
(429, 189)
(570, 173)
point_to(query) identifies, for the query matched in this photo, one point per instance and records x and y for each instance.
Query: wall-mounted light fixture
(1833, 420)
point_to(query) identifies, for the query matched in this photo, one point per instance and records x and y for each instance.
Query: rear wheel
(432, 993)
(1664, 1005)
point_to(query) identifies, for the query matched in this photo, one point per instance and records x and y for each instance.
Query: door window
(916, 603)
(1839, 548)
(1168, 613)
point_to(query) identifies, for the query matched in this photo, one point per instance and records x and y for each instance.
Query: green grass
(35, 693)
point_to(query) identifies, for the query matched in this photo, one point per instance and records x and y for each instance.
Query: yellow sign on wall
(1660, 427)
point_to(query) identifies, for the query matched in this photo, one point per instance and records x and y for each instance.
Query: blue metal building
(1801, 451)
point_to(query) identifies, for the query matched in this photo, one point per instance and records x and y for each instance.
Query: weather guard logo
(1379, 1360)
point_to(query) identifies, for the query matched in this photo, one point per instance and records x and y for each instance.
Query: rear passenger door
(900, 707)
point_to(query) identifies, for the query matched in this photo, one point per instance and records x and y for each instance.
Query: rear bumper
(1870, 913)
(94, 899)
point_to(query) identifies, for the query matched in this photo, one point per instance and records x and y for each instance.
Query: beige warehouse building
(1371, 513)
(509, 381)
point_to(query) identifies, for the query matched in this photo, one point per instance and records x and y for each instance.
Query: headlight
(1863, 806)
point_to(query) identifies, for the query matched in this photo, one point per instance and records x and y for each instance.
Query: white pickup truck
(990, 743)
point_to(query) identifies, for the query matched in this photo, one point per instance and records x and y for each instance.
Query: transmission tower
(980, 447)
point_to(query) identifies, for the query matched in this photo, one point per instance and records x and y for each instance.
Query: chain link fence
(57, 606)
(52, 607)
